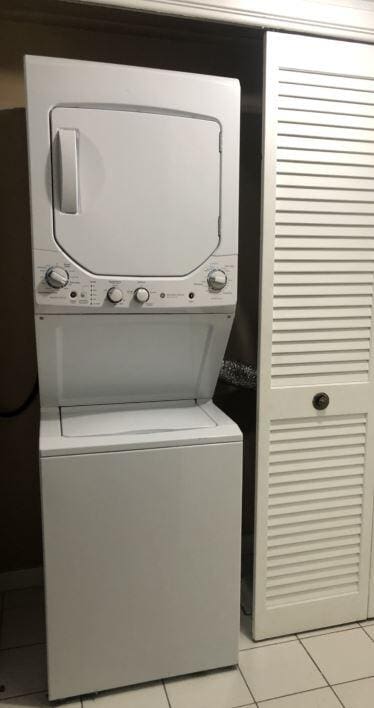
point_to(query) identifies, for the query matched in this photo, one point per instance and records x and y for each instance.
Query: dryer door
(135, 193)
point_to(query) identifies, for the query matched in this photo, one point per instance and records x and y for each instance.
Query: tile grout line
(23, 695)
(343, 683)
(298, 693)
(23, 646)
(246, 683)
(321, 672)
(324, 633)
(313, 660)
(254, 703)
(337, 697)
(287, 695)
(367, 634)
(298, 636)
(166, 693)
(271, 644)
(2, 612)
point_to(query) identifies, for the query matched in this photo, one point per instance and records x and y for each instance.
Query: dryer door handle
(68, 161)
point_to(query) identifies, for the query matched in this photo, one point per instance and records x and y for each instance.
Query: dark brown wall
(114, 36)
(19, 493)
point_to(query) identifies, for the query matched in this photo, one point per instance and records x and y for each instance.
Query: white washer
(141, 518)
(134, 195)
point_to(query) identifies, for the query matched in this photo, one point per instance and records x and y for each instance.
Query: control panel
(61, 286)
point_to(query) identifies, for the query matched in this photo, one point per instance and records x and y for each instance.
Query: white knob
(57, 277)
(217, 279)
(141, 295)
(115, 295)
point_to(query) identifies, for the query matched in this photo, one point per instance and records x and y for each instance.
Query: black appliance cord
(26, 403)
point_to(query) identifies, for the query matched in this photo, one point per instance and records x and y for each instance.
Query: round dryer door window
(135, 193)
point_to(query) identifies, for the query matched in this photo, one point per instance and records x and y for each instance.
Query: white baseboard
(17, 579)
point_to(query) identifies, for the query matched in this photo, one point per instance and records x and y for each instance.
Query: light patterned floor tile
(369, 629)
(22, 625)
(36, 700)
(151, 695)
(278, 670)
(320, 698)
(23, 671)
(214, 689)
(245, 638)
(366, 623)
(328, 630)
(343, 656)
(357, 694)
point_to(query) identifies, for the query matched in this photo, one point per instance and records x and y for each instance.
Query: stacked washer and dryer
(134, 195)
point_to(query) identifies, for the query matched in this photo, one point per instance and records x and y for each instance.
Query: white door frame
(345, 19)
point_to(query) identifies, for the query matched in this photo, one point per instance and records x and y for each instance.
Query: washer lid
(135, 193)
(135, 418)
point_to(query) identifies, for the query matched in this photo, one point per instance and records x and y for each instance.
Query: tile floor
(327, 668)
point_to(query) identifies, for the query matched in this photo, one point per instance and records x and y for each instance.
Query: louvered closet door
(315, 468)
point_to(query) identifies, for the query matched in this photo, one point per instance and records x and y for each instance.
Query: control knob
(115, 295)
(141, 295)
(217, 279)
(57, 277)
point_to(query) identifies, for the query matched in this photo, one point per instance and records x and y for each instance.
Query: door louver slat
(314, 230)
(322, 504)
(314, 486)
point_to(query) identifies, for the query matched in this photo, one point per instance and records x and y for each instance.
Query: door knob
(321, 401)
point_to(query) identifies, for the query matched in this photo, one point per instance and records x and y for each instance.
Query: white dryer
(134, 195)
